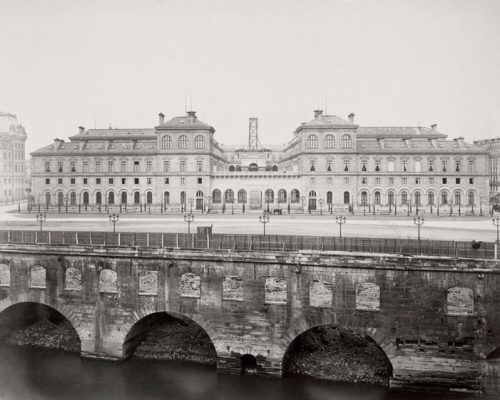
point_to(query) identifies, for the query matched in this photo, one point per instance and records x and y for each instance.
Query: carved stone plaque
(275, 290)
(320, 294)
(190, 285)
(232, 288)
(367, 296)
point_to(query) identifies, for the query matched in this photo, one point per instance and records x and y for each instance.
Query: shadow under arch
(186, 338)
(335, 352)
(16, 315)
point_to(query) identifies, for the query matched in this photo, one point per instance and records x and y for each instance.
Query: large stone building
(493, 148)
(330, 165)
(12, 159)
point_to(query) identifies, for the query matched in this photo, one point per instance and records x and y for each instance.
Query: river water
(34, 373)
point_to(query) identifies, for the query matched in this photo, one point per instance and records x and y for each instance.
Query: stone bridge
(436, 319)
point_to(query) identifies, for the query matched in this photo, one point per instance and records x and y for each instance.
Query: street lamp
(113, 218)
(41, 217)
(341, 221)
(496, 223)
(264, 219)
(419, 221)
(189, 218)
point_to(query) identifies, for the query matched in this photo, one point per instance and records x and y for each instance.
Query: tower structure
(253, 134)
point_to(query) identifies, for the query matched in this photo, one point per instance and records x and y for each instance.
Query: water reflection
(32, 373)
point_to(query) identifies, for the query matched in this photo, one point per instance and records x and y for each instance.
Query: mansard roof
(322, 121)
(399, 131)
(114, 133)
(187, 122)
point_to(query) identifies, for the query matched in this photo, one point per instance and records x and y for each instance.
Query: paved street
(437, 228)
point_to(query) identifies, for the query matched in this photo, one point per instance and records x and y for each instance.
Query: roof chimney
(81, 129)
(351, 118)
(434, 127)
(192, 114)
(318, 113)
(161, 119)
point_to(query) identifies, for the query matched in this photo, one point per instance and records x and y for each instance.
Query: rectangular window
(405, 181)
(124, 180)
(72, 180)
(98, 166)
(59, 167)
(200, 181)
(377, 165)
(85, 166)
(457, 181)
(183, 166)
(418, 166)
(199, 166)
(346, 181)
(84, 181)
(471, 181)
(404, 165)
(330, 180)
(183, 181)
(390, 166)
(110, 181)
(166, 181)
(136, 181)
(431, 165)
(377, 181)
(431, 181)
(123, 166)
(444, 164)
(445, 181)
(97, 181)
(457, 166)
(364, 181)
(312, 180)
(47, 181)
(149, 166)
(417, 181)
(471, 165)
(346, 165)
(166, 166)
(136, 166)
(111, 166)
(73, 168)
(363, 165)
(47, 166)
(59, 181)
(148, 181)
(329, 167)
(391, 181)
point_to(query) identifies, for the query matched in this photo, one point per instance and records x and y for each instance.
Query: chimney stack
(161, 119)
(81, 129)
(318, 113)
(351, 118)
(192, 114)
(434, 127)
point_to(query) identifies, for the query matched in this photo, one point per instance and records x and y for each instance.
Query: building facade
(492, 146)
(330, 165)
(12, 159)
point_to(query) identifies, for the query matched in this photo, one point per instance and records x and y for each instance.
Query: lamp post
(419, 221)
(190, 205)
(496, 223)
(189, 218)
(66, 200)
(341, 221)
(320, 206)
(303, 198)
(113, 218)
(41, 217)
(264, 219)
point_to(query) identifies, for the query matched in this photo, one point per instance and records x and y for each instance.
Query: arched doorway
(60, 198)
(312, 200)
(199, 200)
(124, 198)
(111, 198)
(347, 198)
(337, 353)
(98, 198)
(173, 336)
(53, 329)
(149, 197)
(248, 364)
(253, 167)
(47, 198)
(85, 198)
(137, 197)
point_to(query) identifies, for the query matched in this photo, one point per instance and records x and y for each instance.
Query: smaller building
(12, 159)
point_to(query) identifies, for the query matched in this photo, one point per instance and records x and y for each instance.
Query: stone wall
(435, 319)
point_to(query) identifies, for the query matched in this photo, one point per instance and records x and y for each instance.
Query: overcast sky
(391, 62)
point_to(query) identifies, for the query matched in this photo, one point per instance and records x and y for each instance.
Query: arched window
(72, 197)
(183, 197)
(312, 142)
(182, 142)
(458, 198)
(253, 167)
(312, 194)
(274, 168)
(329, 142)
(111, 198)
(377, 198)
(404, 198)
(329, 197)
(47, 198)
(269, 196)
(229, 196)
(149, 197)
(444, 198)
(390, 198)
(238, 168)
(242, 196)
(166, 142)
(295, 196)
(364, 198)
(282, 196)
(346, 141)
(470, 198)
(199, 194)
(347, 198)
(98, 198)
(268, 168)
(430, 198)
(418, 199)
(137, 198)
(199, 142)
(124, 198)
(216, 196)
(231, 168)
(85, 197)
(60, 198)
(166, 198)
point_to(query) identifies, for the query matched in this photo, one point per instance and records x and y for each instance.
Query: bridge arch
(140, 324)
(7, 304)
